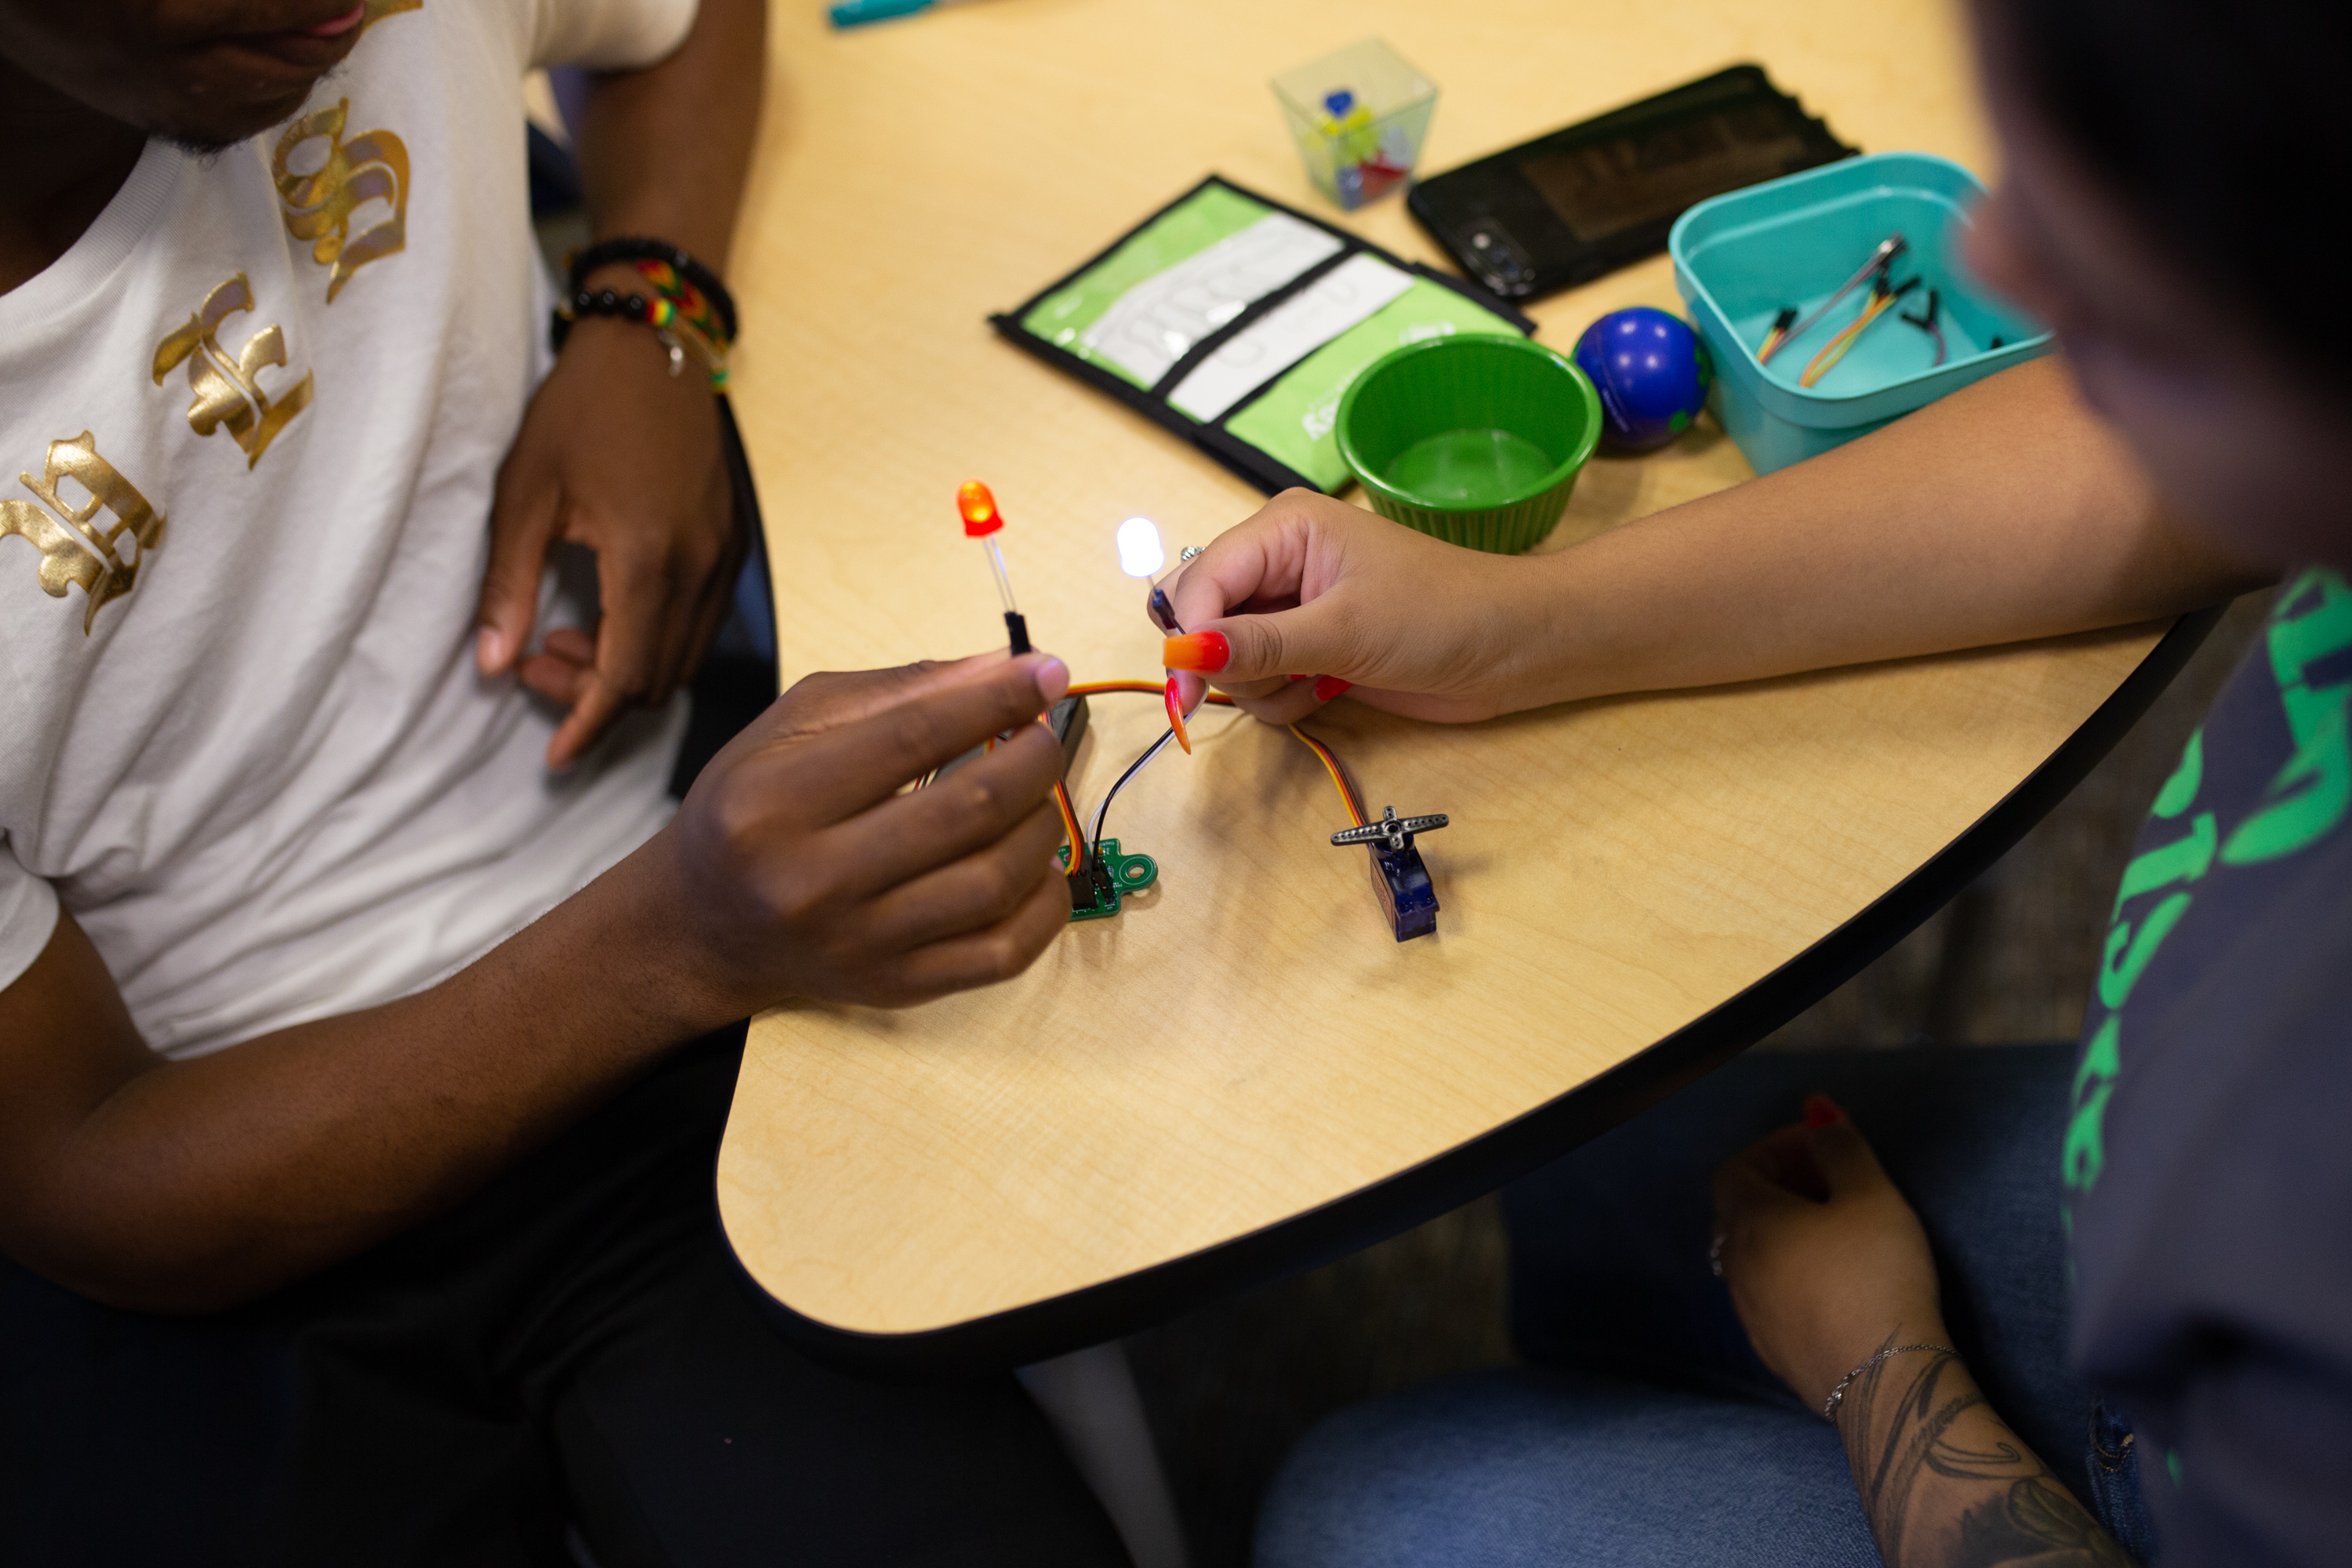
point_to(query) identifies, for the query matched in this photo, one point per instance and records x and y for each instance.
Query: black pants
(570, 1348)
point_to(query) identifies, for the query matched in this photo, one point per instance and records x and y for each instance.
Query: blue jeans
(1645, 1430)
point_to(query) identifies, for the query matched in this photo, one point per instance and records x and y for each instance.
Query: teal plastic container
(1741, 257)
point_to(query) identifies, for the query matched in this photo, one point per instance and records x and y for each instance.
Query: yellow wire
(1834, 349)
(1069, 819)
(1338, 779)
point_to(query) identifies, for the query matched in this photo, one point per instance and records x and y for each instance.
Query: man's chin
(204, 126)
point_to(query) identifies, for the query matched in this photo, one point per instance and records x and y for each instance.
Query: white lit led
(1140, 554)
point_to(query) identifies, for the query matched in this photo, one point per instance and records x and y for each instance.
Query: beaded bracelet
(677, 334)
(690, 310)
(693, 312)
(604, 252)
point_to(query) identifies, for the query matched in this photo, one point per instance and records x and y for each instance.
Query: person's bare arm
(1828, 1268)
(616, 453)
(2005, 511)
(1947, 1485)
(794, 868)
(664, 150)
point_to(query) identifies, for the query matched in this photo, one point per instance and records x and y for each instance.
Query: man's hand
(1310, 586)
(617, 455)
(794, 868)
(1825, 1261)
(805, 872)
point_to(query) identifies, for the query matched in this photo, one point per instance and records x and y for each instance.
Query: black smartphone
(1567, 207)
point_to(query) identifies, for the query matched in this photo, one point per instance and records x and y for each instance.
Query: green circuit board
(1115, 876)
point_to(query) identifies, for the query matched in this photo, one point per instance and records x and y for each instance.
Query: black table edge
(1313, 1237)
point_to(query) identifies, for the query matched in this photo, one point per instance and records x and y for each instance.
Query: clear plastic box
(1360, 116)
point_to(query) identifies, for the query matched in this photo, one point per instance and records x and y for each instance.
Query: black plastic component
(1567, 207)
(1068, 722)
(1406, 896)
(1110, 873)
(1091, 892)
(1016, 628)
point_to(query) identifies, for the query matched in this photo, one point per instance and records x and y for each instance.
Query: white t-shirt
(249, 425)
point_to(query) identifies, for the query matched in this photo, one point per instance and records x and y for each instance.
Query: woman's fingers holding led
(1265, 562)
(1311, 587)
(1268, 564)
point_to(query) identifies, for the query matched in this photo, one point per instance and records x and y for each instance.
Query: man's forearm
(2005, 511)
(665, 150)
(196, 1184)
(786, 873)
(1947, 1485)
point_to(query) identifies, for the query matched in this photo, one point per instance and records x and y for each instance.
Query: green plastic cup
(1473, 439)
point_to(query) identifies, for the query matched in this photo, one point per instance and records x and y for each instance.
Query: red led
(978, 508)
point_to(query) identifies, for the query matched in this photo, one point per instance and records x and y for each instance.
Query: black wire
(1102, 812)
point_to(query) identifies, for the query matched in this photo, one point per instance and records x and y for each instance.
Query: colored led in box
(1360, 117)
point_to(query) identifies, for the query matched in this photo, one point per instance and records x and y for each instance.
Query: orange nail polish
(1821, 1111)
(1203, 652)
(1327, 687)
(1175, 700)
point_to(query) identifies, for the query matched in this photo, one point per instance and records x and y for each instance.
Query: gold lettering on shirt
(371, 167)
(228, 390)
(72, 549)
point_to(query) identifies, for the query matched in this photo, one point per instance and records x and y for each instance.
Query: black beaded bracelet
(596, 302)
(656, 313)
(604, 252)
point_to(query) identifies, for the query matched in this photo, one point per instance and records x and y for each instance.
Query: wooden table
(1243, 1073)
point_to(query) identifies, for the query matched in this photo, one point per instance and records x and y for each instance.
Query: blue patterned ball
(1652, 372)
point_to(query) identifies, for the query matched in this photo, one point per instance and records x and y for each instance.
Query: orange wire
(1834, 349)
(1069, 817)
(1323, 753)
(1338, 775)
(1215, 698)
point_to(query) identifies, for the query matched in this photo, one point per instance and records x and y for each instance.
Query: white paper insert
(1156, 322)
(1347, 294)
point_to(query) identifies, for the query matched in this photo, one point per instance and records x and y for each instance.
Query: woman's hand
(618, 454)
(1825, 1261)
(1311, 586)
(1828, 1268)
